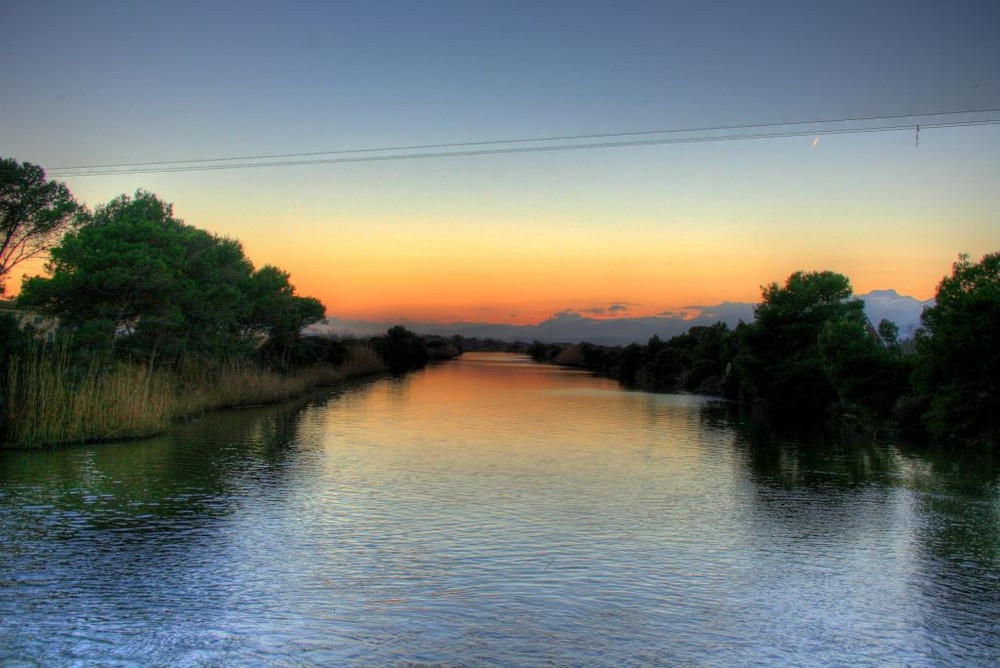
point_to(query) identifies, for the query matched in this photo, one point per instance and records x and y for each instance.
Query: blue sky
(659, 227)
(224, 77)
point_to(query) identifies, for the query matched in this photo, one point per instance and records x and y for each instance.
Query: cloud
(683, 314)
(616, 309)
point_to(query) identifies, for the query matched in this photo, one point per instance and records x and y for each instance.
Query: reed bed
(50, 402)
(362, 360)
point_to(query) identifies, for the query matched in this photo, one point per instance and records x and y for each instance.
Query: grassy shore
(49, 402)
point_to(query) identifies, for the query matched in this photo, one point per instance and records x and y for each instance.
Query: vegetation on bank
(811, 353)
(49, 395)
(50, 399)
(157, 321)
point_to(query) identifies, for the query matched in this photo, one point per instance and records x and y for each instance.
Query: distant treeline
(403, 351)
(482, 345)
(811, 353)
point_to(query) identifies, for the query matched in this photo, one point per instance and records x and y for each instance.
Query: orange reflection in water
(488, 412)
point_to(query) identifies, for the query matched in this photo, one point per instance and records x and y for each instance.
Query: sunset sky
(517, 236)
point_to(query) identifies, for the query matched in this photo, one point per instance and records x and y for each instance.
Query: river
(490, 511)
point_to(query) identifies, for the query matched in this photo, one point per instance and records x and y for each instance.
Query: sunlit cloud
(686, 313)
(619, 308)
(615, 310)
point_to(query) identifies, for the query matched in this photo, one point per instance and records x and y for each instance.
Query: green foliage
(695, 361)
(888, 331)
(807, 298)
(275, 310)
(135, 280)
(778, 366)
(707, 352)
(868, 374)
(958, 348)
(34, 214)
(663, 367)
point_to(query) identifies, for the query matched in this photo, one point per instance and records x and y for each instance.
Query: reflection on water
(491, 511)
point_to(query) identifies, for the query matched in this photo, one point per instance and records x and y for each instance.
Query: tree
(711, 352)
(663, 369)
(276, 311)
(778, 366)
(401, 350)
(277, 315)
(135, 279)
(34, 214)
(630, 363)
(865, 368)
(958, 354)
(888, 331)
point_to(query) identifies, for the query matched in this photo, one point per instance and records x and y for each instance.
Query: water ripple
(491, 512)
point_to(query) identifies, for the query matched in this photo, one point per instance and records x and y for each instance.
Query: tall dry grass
(362, 360)
(49, 402)
(242, 385)
(248, 384)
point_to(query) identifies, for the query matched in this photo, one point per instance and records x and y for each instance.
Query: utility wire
(498, 151)
(529, 140)
(885, 123)
(521, 149)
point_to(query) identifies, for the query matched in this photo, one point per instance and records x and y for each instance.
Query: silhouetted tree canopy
(401, 349)
(778, 366)
(959, 354)
(811, 352)
(34, 214)
(136, 279)
(868, 373)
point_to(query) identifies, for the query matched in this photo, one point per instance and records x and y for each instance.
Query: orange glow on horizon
(500, 274)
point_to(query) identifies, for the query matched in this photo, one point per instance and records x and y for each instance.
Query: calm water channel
(494, 512)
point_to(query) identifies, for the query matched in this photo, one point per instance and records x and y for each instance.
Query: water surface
(490, 511)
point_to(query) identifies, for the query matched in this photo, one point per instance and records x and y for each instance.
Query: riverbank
(50, 403)
(635, 369)
(650, 368)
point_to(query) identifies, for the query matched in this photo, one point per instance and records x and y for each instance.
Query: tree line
(811, 352)
(132, 284)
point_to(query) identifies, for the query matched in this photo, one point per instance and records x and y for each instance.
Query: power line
(786, 129)
(523, 149)
(721, 128)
